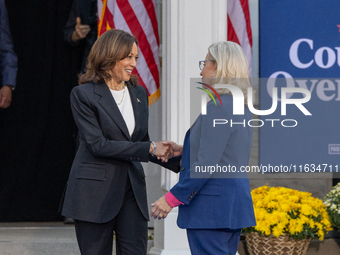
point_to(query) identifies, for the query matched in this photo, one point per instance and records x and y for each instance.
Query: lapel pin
(138, 100)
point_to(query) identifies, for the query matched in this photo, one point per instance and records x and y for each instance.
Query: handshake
(165, 150)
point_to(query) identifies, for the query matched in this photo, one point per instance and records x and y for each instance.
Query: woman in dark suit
(214, 207)
(106, 189)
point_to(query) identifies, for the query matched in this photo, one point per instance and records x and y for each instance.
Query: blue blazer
(8, 58)
(220, 200)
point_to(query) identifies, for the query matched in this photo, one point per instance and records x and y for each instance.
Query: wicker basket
(282, 245)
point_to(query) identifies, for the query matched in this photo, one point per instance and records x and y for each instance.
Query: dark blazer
(87, 11)
(220, 200)
(107, 154)
(8, 58)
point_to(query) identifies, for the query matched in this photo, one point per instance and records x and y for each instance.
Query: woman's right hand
(163, 151)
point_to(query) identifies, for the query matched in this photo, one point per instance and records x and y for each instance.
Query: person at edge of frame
(8, 59)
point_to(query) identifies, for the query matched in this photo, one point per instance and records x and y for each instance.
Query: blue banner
(300, 48)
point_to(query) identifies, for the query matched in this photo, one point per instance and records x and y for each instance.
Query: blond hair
(231, 66)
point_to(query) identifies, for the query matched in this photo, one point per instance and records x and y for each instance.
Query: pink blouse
(172, 200)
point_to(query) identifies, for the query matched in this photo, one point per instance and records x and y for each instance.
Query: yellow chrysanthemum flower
(277, 231)
(306, 209)
(280, 211)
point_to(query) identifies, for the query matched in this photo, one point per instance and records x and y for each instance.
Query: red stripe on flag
(108, 18)
(152, 14)
(239, 27)
(138, 32)
(245, 7)
(140, 81)
(231, 32)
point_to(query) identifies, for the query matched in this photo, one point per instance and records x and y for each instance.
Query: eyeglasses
(201, 63)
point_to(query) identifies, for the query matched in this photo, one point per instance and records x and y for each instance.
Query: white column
(189, 27)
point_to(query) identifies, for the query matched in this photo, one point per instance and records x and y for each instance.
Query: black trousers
(130, 226)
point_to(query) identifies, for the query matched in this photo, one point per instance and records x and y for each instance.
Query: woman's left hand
(160, 209)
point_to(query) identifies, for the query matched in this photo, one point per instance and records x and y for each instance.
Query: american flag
(239, 30)
(139, 18)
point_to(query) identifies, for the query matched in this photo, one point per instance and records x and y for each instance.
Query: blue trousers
(213, 241)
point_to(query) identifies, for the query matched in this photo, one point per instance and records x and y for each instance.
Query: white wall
(189, 27)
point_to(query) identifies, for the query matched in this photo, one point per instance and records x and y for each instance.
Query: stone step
(45, 238)
(56, 238)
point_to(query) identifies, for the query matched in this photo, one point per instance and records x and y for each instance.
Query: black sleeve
(172, 164)
(71, 22)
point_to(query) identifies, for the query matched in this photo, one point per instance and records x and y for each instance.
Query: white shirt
(125, 107)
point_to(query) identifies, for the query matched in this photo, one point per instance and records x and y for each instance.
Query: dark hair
(112, 46)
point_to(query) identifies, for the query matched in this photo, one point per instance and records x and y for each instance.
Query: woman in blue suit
(215, 207)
